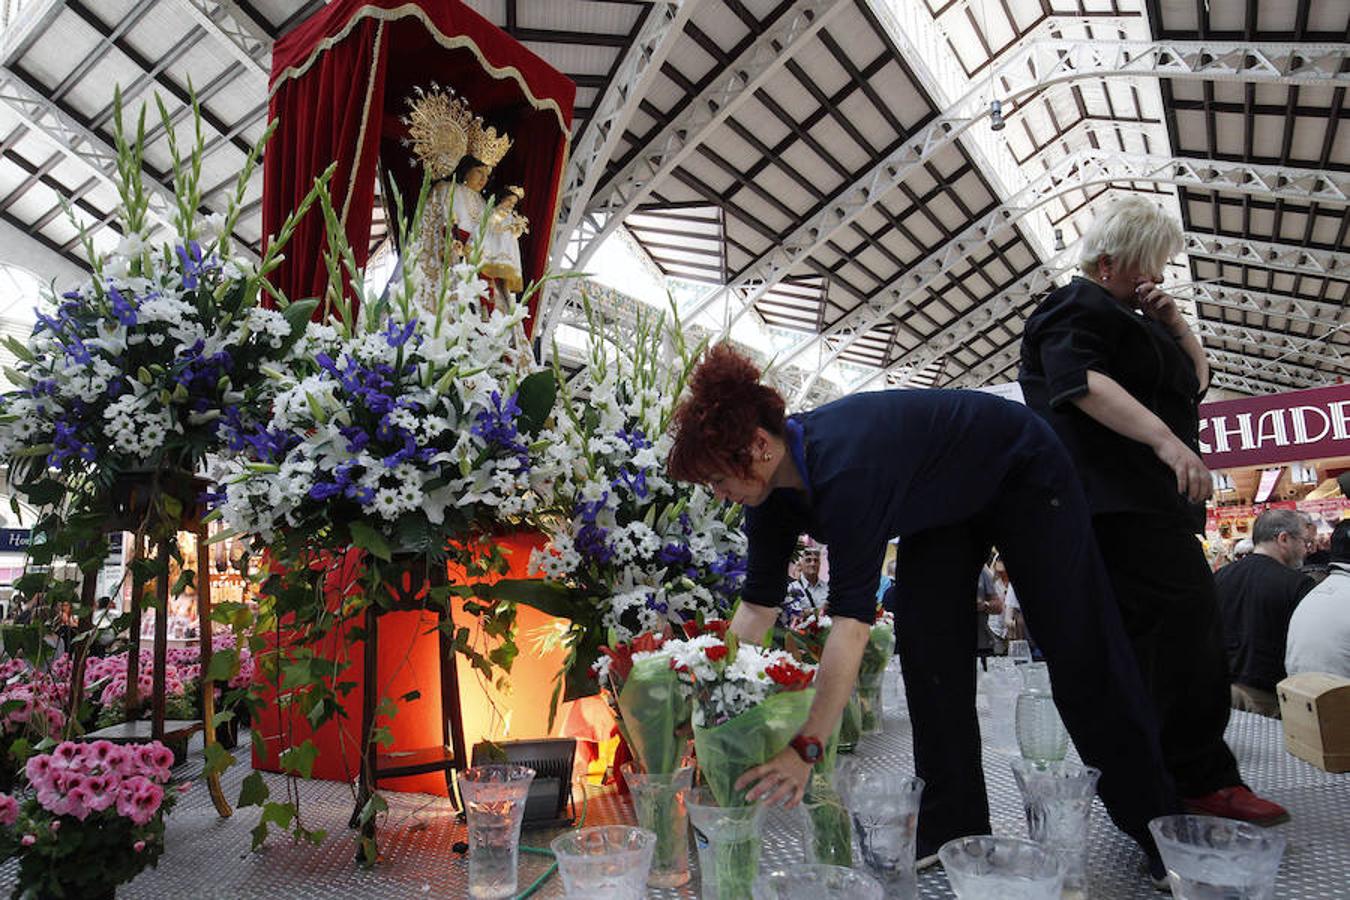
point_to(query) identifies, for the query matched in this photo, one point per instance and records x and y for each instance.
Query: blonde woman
(1111, 363)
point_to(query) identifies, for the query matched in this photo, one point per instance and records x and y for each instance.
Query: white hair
(1132, 231)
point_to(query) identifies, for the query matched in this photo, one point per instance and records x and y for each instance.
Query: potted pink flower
(31, 711)
(94, 819)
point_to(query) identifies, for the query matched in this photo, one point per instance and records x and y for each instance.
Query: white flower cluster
(145, 350)
(408, 418)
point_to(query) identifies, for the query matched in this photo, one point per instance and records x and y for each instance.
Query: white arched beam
(1070, 174)
(1034, 66)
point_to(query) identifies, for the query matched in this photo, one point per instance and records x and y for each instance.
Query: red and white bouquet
(95, 818)
(749, 702)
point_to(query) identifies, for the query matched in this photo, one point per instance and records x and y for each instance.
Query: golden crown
(439, 126)
(485, 145)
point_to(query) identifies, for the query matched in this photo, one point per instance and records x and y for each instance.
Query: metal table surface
(209, 857)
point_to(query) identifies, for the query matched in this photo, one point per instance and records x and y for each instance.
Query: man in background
(1319, 630)
(1257, 597)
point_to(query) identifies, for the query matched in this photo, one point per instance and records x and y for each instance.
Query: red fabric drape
(323, 72)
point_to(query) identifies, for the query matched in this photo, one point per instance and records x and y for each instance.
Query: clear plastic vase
(494, 806)
(850, 725)
(1057, 798)
(885, 812)
(817, 882)
(659, 806)
(728, 842)
(1002, 686)
(609, 861)
(827, 834)
(869, 688)
(997, 868)
(1208, 858)
(1041, 735)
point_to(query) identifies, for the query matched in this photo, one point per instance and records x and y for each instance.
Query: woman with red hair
(949, 473)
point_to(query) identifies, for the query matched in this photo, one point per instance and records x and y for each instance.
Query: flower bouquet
(806, 641)
(405, 430)
(876, 655)
(629, 550)
(653, 707)
(94, 821)
(32, 710)
(749, 702)
(127, 379)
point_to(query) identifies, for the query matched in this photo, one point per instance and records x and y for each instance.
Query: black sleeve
(1072, 336)
(858, 529)
(771, 532)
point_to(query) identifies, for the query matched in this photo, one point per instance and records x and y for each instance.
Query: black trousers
(1165, 589)
(1040, 522)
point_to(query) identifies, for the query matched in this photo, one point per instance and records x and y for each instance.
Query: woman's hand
(781, 780)
(1159, 306)
(1193, 479)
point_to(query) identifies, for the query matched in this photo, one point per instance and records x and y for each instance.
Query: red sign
(1277, 428)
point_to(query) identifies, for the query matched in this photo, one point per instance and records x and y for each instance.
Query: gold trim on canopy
(365, 120)
(447, 41)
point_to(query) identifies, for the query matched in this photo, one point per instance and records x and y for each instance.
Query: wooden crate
(1315, 708)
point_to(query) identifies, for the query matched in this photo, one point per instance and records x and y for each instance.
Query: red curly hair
(715, 423)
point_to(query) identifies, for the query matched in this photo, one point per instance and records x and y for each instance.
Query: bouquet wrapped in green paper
(749, 702)
(805, 640)
(876, 655)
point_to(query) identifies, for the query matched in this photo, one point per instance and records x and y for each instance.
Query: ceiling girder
(680, 137)
(1069, 174)
(1292, 375)
(240, 37)
(1037, 64)
(604, 131)
(1277, 257)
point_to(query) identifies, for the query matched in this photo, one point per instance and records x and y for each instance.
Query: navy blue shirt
(1080, 328)
(881, 466)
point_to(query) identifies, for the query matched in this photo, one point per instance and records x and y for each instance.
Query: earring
(768, 456)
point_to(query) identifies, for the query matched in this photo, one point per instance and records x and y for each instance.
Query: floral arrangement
(876, 656)
(630, 551)
(32, 710)
(136, 370)
(94, 820)
(106, 680)
(396, 438)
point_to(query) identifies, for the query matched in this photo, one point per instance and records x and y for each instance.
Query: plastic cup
(1209, 858)
(659, 804)
(494, 806)
(1057, 798)
(885, 812)
(817, 882)
(728, 842)
(995, 868)
(610, 861)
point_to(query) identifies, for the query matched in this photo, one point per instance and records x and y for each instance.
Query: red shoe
(1238, 802)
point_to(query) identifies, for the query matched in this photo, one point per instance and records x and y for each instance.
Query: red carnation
(621, 657)
(788, 676)
(716, 652)
(718, 627)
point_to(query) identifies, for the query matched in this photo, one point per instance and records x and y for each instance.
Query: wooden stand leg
(80, 654)
(133, 699)
(161, 641)
(370, 687)
(208, 687)
(452, 715)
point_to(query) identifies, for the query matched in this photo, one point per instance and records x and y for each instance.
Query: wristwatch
(810, 749)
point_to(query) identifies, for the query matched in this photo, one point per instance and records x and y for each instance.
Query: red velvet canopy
(339, 86)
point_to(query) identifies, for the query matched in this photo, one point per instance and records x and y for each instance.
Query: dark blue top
(1080, 328)
(880, 466)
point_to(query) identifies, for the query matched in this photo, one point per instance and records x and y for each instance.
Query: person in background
(1243, 549)
(24, 609)
(66, 625)
(870, 468)
(988, 608)
(1257, 596)
(1111, 363)
(105, 632)
(1319, 630)
(814, 589)
(887, 580)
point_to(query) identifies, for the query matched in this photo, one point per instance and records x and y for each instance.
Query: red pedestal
(407, 654)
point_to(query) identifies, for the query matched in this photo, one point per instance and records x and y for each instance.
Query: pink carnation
(9, 810)
(139, 799)
(138, 846)
(28, 840)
